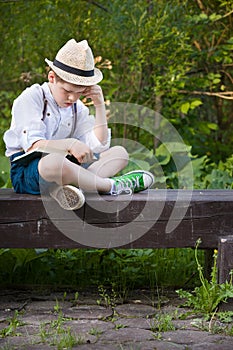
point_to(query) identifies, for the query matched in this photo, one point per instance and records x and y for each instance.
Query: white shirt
(29, 125)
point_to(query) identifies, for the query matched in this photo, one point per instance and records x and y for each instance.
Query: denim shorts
(26, 178)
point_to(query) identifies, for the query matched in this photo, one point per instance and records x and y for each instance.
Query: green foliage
(185, 107)
(122, 270)
(209, 294)
(213, 176)
(4, 172)
(169, 56)
(169, 156)
(6, 99)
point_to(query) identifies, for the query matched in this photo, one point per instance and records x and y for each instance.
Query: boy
(51, 115)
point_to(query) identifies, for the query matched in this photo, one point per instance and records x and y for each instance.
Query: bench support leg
(225, 258)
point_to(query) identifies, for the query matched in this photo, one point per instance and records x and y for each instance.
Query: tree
(172, 56)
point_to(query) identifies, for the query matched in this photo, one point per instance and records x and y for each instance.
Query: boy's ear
(51, 76)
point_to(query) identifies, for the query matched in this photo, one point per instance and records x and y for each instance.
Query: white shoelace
(127, 185)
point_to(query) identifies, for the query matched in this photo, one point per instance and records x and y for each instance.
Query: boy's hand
(95, 93)
(81, 152)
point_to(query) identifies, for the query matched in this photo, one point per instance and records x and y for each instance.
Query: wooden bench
(150, 219)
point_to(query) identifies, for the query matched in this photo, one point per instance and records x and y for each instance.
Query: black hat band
(72, 70)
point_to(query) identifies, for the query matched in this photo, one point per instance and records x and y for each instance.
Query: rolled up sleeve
(31, 133)
(28, 110)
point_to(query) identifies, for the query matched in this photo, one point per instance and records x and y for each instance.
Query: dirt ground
(68, 320)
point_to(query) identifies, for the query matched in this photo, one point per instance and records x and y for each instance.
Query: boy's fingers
(85, 157)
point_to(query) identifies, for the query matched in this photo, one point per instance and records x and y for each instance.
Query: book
(27, 157)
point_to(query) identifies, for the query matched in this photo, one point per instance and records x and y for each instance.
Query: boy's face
(65, 94)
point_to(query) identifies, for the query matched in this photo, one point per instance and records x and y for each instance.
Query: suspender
(74, 119)
(45, 106)
(74, 112)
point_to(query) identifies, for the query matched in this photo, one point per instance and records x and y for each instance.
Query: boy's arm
(72, 146)
(101, 126)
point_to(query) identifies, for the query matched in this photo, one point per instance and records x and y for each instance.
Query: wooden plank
(122, 208)
(16, 207)
(44, 233)
(34, 234)
(26, 221)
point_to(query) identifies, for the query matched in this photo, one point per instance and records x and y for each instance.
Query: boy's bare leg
(111, 162)
(56, 168)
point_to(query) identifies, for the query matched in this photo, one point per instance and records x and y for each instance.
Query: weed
(200, 324)
(208, 295)
(43, 332)
(226, 316)
(76, 296)
(56, 334)
(10, 330)
(229, 331)
(95, 331)
(214, 326)
(119, 326)
(162, 323)
(57, 307)
(66, 340)
(109, 299)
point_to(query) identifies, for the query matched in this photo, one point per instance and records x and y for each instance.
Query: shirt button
(48, 114)
(24, 131)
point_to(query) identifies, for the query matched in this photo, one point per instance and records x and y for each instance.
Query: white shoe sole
(68, 197)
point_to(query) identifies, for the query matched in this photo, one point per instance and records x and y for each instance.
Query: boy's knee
(50, 166)
(121, 153)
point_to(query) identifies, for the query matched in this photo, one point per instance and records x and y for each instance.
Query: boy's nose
(72, 98)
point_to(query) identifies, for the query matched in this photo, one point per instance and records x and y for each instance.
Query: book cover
(27, 157)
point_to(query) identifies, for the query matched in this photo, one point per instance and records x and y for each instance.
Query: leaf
(142, 154)
(213, 126)
(195, 104)
(163, 154)
(178, 147)
(214, 17)
(216, 81)
(230, 41)
(161, 179)
(185, 107)
(3, 251)
(182, 161)
(198, 164)
(141, 164)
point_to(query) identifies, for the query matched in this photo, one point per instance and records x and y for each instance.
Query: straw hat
(74, 63)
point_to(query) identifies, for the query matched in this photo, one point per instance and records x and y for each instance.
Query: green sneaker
(132, 182)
